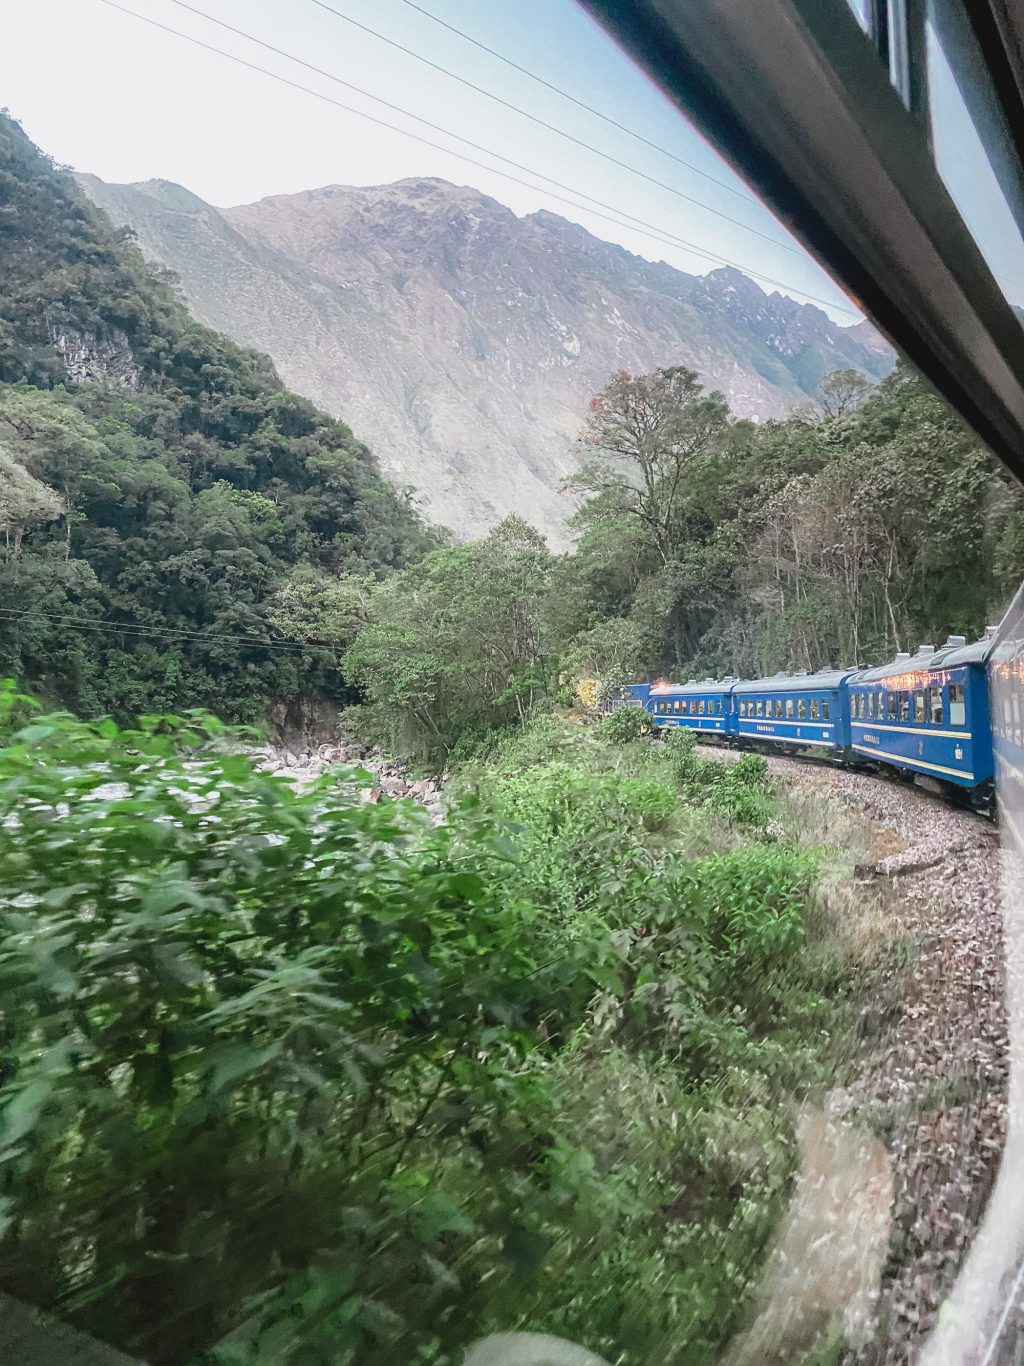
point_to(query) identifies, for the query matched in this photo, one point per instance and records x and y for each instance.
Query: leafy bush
(625, 724)
(296, 1077)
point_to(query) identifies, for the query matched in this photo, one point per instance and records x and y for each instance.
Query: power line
(477, 147)
(646, 229)
(580, 104)
(543, 123)
(167, 633)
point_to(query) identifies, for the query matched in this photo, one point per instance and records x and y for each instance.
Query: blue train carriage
(798, 711)
(702, 707)
(928, 714)
(628, 695)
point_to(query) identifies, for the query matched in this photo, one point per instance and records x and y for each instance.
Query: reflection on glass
(860, 13)
(965, 168)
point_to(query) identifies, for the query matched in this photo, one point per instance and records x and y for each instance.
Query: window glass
(904, 706)
(919, 708)
(824, 708)
(935, 705)
(700, 707)
(801, 709)
(778, 708)
(789, 708)
(957, 705)
(718, 706)
(815, 709)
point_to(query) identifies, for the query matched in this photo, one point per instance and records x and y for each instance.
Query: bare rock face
(463, 342)
(87, 358)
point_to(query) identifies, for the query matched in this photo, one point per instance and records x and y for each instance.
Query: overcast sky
(104, 92)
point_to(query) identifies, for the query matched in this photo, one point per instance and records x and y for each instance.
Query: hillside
(158, 484)
(464, 342)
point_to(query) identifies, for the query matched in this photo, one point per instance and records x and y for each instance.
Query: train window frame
(815, 709)
(919, 707)
(778, 709)
(824, 709)
(789, 709)
(801, 709)
(957, 704)
(759, 707)
(936, 706)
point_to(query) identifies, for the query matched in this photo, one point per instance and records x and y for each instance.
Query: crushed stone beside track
(931, 1077)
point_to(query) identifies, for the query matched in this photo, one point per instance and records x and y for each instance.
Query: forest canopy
(158, 484)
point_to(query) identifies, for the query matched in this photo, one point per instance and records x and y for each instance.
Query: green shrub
(625, 724)
(292, 1077)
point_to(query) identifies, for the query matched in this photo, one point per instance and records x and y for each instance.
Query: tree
(455, 645)
(646, 434)
(25, 502)
(840, 392)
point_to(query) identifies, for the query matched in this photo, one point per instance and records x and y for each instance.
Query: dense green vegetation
(707, 546)
(299, 1078)
(158, 485)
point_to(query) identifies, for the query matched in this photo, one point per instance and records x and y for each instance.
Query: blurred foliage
(299, 1078)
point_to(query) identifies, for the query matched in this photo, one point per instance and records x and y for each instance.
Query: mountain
(463, 342)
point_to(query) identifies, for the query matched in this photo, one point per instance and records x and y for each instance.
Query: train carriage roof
(955, 653)
(823, 681)
(716, 687)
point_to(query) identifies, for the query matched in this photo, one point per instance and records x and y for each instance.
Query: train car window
(778, 708)
(718, 706)
(801, 709)
(904, 706)
(789, 708)
(824, 708)
(935, 705)
(957, 705)
(815, 709)
(919, 713)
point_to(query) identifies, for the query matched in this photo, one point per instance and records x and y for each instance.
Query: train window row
(696, 706)
(789, 708)
(923, 706)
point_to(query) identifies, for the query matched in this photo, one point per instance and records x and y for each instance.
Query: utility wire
(647, 229)
(551, 127)
(476, 146)
(168, 633)
(580, 104)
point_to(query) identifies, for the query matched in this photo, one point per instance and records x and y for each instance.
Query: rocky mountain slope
(463, 342)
